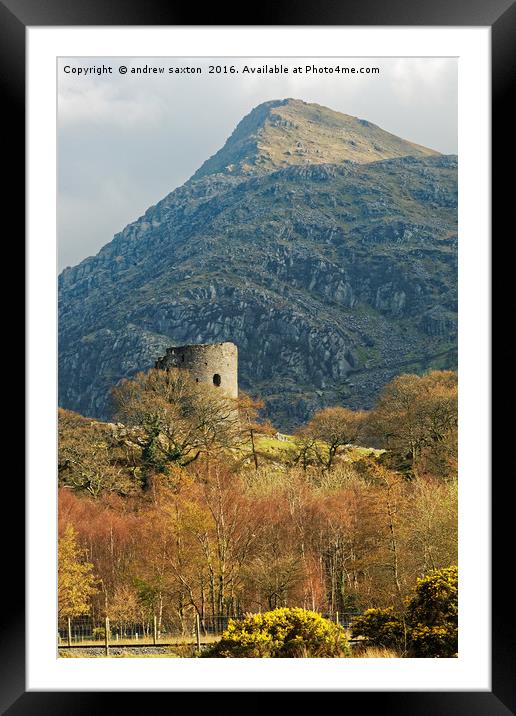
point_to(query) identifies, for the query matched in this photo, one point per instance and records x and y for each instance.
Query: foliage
(94, 458)
(123, 605)
(433, 641)
(251, 427)
(217, 542)
(436, 599)
(328, 431)
(282, 632)
(433, 614)
(176, 418)
(416, 419)
(381, 628)
(216, 536)
(76, 582)
(430, 619)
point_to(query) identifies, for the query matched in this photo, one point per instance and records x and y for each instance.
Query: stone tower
(212, 363)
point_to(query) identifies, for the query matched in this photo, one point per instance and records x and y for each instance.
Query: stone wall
(212, 363)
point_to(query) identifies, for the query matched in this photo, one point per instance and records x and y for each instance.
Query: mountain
(332, 270)
(288, 132)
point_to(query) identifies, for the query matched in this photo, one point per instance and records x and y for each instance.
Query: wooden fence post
(155, 631)
(106, 635)
(69, 632)
(198, 632)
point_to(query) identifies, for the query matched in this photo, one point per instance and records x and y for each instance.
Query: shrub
(381, 628)
(432, 614)
(433, 641)
(430, 617)
(436, 598)
(98, 633)
(292, 632)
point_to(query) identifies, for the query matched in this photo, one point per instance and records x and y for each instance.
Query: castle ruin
(211, 363)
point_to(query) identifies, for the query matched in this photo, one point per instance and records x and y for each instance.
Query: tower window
(216, 379)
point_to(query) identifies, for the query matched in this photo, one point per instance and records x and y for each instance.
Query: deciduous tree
(175, 418)
(76, 582)
(330, 430)
(416, 418)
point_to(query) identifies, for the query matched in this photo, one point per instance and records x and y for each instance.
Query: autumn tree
(251, 427)
(230, 533)
(213, 538)
(111, 529)
(416, 420)
(430, 514)
(330, 430)
(175, 418)
(276, 572)
(76, 582)
(124, 606)
(346, 541)
(92, 458)
(274, 576)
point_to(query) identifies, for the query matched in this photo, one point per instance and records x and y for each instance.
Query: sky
(127, 140)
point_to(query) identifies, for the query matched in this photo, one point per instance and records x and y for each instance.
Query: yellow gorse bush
(284, 632)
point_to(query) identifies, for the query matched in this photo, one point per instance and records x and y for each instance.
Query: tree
(175, 418)
(230, 532)
(429, 513)
(416, 418)
(249, 409)
(123, 606)
(92, 457)
(273, 576)
(306, 449)
(329, 430)
(76, 582)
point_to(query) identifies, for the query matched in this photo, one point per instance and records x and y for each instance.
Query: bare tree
(330, 430)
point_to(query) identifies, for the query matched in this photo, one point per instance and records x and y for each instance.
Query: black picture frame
(500, 15)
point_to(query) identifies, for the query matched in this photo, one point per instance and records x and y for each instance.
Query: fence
(85, 631)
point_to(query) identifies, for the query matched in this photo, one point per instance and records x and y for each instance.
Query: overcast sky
(125, 141)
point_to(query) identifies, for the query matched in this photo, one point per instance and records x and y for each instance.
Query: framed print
(253, 385)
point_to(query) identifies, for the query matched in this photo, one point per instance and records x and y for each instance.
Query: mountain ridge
(326, 275)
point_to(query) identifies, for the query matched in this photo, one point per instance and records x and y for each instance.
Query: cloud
(103, 105)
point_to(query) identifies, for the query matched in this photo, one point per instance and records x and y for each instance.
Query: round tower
(212, 363)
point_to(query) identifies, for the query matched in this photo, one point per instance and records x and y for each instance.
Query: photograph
(257, 272)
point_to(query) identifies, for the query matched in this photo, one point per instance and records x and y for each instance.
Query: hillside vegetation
(173, 513)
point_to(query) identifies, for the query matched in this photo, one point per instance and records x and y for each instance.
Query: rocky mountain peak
(330, 270)
(281, 133)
